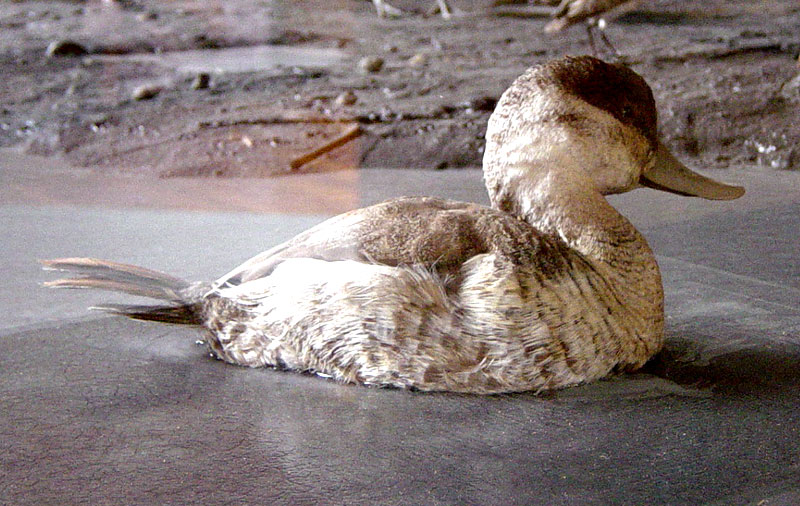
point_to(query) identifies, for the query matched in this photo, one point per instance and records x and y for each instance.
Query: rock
(201, 81)
(775, 152)
(444, 111)
(791, 89)
(371, 64)
(346, 98)
(145, 92)
(418, 60)
(387, 114)
(147, 16)
(308, 73)
(484, 103)
(97, 122)
(65, 48)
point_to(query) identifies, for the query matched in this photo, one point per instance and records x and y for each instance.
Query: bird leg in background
(599, 25)
(385, 9)
(444, 9)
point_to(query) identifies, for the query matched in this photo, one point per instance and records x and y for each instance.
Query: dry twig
(350, 134)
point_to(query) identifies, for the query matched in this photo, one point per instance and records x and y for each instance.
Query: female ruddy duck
(550, 287)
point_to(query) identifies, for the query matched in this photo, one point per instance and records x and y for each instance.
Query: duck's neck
(567, 207)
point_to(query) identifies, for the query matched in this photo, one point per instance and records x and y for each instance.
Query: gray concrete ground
(99, 410)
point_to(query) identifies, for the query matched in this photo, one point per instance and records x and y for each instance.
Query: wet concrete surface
(99, 410)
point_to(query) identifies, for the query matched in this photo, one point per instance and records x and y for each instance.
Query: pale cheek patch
(612, 154)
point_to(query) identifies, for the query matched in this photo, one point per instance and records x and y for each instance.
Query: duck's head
(590, 121)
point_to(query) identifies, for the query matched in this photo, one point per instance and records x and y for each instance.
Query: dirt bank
(129, 95)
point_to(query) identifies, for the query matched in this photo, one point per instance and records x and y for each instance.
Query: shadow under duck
(549, 287)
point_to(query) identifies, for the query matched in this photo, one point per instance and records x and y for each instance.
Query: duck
(547, 287)
(385, 10)
(593, 12)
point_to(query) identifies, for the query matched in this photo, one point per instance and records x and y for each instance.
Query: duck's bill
(672, 176)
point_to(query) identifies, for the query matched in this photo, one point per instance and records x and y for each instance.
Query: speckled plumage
(548, 288)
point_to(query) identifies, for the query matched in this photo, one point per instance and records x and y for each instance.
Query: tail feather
(184, 299)
(186, 314)
(116, 277)
(116, 286)
(88, 265)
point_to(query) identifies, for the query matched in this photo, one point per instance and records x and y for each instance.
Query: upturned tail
(184, 299)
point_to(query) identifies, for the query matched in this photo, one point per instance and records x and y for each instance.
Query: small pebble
(371, 64)
(307, 72)
(791, 89)
(418, 60)
(346, 98)
(444, 110)
(145, 92)
(484, 103)
(65, 48)
(147, 16)
(386, 114)
(201, 81)
(97, 119)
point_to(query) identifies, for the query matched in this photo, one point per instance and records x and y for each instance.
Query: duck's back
(436, 233)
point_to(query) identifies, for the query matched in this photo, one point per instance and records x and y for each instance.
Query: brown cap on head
(616, 89)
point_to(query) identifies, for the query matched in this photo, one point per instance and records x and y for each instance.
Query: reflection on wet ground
(34, 180)
(47, 181)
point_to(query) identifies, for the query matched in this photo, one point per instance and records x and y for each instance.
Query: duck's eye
(627, 111)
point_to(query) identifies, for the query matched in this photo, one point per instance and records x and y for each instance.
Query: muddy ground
(123, 92)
